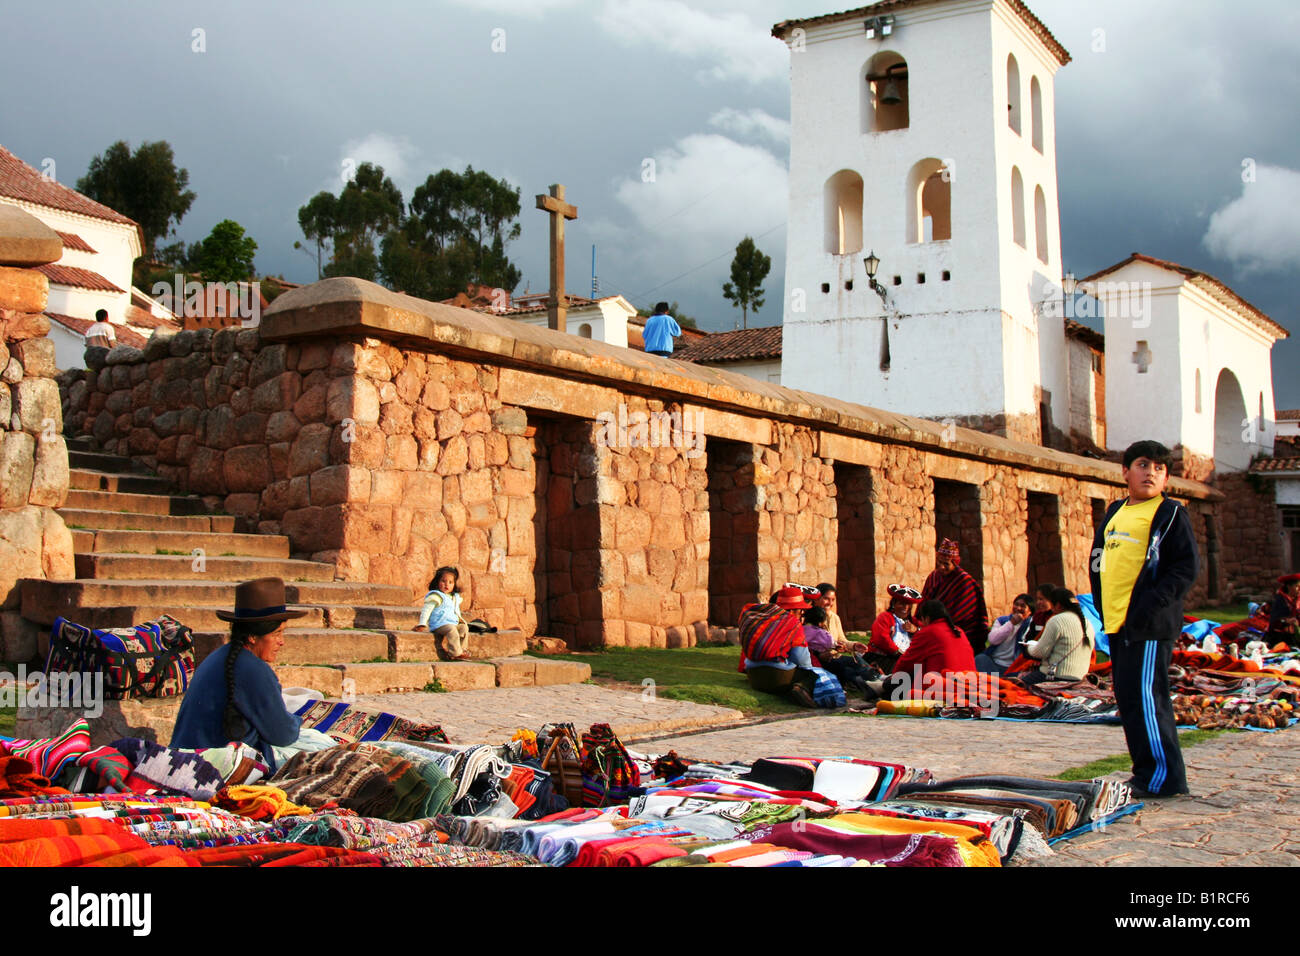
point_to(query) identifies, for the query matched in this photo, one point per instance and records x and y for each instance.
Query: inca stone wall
(34, 541)
(596, 494)
(1250, 536)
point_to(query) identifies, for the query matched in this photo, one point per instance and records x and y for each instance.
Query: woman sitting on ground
(832, 655)
(891, 633)
(939, 647)
(826, 599)
(441, 615)
(1282, 616)
(234, 694)
(1065, 648)
(1006, 636)
(773, 650)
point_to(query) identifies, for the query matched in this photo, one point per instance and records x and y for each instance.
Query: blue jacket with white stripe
(1155, 609)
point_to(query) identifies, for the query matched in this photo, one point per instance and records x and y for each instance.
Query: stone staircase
(142, 551)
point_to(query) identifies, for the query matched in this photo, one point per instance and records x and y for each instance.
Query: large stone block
(247, 468)
(37, 356)
(25, 240)
(339, 484)
(151, 720)
(464, 675)
(23, 290)
(17, 466)
(37, 405)
(310, 451)
(560, 672)
(50, 475)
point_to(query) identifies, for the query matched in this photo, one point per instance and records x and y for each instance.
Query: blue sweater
(660, 330)
(257, 698)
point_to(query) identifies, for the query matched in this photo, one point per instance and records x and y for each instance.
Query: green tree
(748, 270)
(144, 185)
(455, 234)
(317, 221)
(226, 255)
(675, 310)
(367, 209)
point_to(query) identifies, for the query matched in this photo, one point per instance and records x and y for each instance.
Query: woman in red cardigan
(939, 647)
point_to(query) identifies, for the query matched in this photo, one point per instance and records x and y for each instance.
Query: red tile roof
(735, 346)
(1207, 283)
(78, 278)
(125, 336)
(145, 319)
(73, 241)
(1287, 415)
(20, 181)
(1077, 330)
(1275, 464)
(889, 6)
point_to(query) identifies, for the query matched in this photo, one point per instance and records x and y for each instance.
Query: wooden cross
(1142, 357)
(557, 304)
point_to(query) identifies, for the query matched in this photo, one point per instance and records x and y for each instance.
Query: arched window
(929, 202)
(1013, 93)
(843, 200)
(1036, 113)
(885, 101)
(584, 330)
(1018, 207)
(1040, 222)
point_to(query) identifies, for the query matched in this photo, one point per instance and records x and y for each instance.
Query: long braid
(233, 723)
(934, 610)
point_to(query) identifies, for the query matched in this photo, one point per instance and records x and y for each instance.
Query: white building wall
(1287, 491)
(69, 347)
(964, 335)
(765, 370)
(1186, 330)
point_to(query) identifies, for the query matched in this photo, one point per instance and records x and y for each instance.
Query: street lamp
(872, 262)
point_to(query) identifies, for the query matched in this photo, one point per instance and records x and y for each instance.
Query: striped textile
(49, 755)
(963, 597)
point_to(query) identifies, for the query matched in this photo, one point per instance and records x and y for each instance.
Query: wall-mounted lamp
(879, 27)
(872, 262)
(1069, 284)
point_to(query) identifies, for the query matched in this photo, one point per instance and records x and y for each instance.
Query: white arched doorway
(1235, 437)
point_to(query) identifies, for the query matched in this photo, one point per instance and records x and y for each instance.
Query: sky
(667, 121)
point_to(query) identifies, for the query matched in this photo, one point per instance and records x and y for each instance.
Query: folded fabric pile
(347, 723)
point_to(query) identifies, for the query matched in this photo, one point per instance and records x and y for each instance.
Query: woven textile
(350, 724)
(18, 778)
(49, 755)
(180, 771)
(154, 659)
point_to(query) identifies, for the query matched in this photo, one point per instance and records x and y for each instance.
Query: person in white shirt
(100, 335)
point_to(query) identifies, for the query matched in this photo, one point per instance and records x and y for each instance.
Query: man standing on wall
(660, 330)
(1144, 561)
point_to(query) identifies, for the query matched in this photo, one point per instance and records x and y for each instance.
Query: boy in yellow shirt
(1144, 561)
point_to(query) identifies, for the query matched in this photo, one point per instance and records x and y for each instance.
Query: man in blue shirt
(660, 330)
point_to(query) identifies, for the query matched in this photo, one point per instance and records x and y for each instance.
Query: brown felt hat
(260, 600)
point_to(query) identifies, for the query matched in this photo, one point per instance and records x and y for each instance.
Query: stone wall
(1250, 534)
(389, 436)
(34, 541)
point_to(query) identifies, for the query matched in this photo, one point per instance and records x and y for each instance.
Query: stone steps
(141, 504)
(208, 567)
(309, 644)
(154, 542)
(97, 520)
(98, 460)
(394, 678)
(85, 479)
(44, 600)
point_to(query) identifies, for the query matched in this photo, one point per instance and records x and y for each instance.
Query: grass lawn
(705, 675)
(8, 718)
(1107, 765)
(1224, 615)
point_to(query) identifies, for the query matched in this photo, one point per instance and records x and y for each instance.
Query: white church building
(923, 251)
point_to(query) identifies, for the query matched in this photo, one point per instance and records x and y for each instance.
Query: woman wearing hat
(891, 633)
(234, 694)
(1283, 615)
(773, 649)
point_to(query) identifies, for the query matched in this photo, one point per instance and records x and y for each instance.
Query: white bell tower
(924, 132)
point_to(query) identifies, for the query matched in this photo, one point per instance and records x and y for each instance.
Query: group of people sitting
(798, 629)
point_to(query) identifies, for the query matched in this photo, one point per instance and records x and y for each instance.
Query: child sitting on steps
(441, 614)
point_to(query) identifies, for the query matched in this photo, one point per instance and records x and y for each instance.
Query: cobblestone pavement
(493, 716)
(1244, 810)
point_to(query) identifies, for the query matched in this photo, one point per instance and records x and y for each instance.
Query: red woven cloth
(69, 850)
(18, 778)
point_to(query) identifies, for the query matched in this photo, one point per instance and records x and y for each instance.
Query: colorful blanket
(349, 724)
